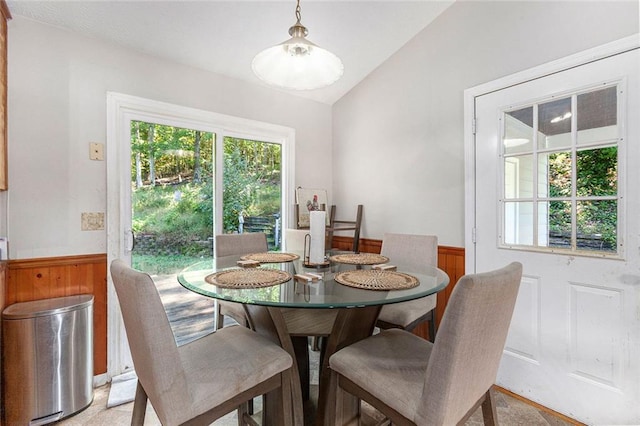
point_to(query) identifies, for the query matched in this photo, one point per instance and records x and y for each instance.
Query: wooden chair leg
(219, 325)
(242, 412)
(345, 409)
(315, 344)
(219, 317)
(139, 406)
(489, 413)
(331, 416)
(432, 328)
(291, 408)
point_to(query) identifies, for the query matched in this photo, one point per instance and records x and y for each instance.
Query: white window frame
(121, 110)
(574, 147)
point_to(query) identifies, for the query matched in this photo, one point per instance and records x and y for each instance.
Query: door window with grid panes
(561, 188)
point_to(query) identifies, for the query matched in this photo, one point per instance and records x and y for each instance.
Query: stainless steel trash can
(47, 359)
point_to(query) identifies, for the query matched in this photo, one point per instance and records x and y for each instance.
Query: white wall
(398, 135)
(57, 105)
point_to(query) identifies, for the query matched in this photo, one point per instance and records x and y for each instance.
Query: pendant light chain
(298, 14)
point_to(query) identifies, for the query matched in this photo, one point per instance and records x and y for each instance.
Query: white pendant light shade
(313, 70)
(297, 63)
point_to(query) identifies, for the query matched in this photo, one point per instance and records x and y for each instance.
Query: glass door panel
(172, 201)
(597, 116)
(252, 188)
(569, 173)
(554, 124)
(172, 197)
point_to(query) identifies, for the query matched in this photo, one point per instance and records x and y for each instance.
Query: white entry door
(557, 188)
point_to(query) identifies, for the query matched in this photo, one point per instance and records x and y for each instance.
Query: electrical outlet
(92, 221)
(96, 151)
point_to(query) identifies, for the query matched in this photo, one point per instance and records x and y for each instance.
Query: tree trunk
(138, 161)
(196, 158)
(152, 159)
(138, 171)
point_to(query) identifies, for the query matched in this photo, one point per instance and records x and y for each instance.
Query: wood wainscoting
(450, 260)
(3, 286)
(34, 279)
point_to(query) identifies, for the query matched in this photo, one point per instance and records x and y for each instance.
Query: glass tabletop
(323, 293)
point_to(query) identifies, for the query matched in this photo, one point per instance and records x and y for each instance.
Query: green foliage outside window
(172, 179)
(596, 176)
(251, 179)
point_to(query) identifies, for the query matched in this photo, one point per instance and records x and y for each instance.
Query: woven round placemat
(372, 279)
(359, 258)
(271, 257)
(248, 278)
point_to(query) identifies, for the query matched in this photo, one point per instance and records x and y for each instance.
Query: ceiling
(224, 36)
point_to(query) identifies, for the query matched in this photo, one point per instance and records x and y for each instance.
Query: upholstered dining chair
(203, 380)
(413, 253)
(237, 244)
(415, 382)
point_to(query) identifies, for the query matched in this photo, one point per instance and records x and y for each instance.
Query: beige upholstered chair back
(153, 348)
(469, 344)
(249, 242)
(410, 252)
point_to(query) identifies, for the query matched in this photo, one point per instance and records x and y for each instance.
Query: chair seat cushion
(233, 359)
(404, 313)
(390, 365)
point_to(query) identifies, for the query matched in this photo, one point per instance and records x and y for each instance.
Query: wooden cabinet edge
(4, 165)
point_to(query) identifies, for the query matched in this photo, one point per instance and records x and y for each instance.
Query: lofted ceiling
(224, 36)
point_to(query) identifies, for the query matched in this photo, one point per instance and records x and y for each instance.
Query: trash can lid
(45, 307)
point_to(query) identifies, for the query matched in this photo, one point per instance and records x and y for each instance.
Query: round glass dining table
(323, 293)
(290, 311)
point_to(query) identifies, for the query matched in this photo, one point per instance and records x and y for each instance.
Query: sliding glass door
(176, 177)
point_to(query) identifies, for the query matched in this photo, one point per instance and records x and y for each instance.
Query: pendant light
(297, 63)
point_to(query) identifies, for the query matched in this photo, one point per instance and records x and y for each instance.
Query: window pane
(518, 223)
(560, 162)
(597, 223)
(543, 224)
(518, 131)
(252, 193)
(554, 124)
(597, 116)
(558, 174)
(518, 176)
(543, 175)
(597, 171)
(172, 197)
(560, 224)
